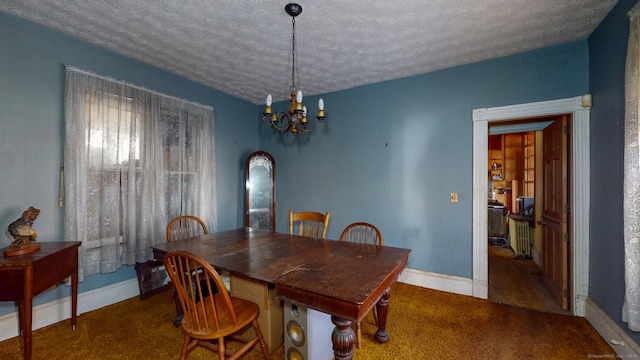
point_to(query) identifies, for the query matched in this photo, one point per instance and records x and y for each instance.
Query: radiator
(521, 234)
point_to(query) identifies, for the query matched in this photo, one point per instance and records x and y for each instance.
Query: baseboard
(60, 310)
(448, 283)
(621, 343)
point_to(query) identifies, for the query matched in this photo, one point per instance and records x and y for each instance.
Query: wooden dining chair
(180, 228)
(184, 227)
(211, 315)
(362, 233)
(309, 223)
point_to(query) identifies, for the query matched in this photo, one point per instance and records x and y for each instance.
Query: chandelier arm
(307, 126)
(285, 119)
(282, 118)
(310, 128)
(293, 122)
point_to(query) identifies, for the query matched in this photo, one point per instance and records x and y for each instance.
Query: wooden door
(556, 210)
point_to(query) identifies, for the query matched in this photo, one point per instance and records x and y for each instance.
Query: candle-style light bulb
(299, 100)
(269, 101)
(304, 115)
(321, 108)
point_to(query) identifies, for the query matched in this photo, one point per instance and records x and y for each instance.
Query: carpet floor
(422, 324)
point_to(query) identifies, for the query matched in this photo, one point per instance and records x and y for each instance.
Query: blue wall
(607, 51)
(392, 152)
(32, 60)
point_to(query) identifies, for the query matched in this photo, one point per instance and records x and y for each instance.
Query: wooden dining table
(343, 279)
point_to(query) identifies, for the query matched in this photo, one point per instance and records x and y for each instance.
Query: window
(134, 159)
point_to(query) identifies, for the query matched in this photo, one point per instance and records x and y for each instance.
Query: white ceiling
(243, 47)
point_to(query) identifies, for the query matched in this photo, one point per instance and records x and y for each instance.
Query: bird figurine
(21, 230)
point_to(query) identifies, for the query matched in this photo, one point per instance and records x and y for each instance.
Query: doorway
(579, 108)
(519, 269)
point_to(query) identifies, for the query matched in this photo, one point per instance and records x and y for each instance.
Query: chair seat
(246, 311)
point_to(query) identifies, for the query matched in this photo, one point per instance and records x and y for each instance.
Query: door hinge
(566, 208)
(565, 237)
(565, 292)
(565, 130)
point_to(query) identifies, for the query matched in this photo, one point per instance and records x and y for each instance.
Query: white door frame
(580, 108)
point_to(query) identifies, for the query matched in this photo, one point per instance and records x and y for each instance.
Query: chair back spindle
(362, 233)
(309, 223)
(185, 227)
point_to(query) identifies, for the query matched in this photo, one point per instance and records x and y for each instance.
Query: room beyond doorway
(579, 108)
(518, 269)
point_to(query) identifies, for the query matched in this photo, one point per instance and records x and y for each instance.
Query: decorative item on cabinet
(24, 236)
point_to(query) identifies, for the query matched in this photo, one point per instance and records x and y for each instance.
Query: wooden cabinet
(529, 164)
(25, 276)
(496, 157)
(511, 166)
(513, 155)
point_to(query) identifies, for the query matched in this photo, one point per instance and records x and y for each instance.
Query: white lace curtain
(133, 160)
(631, 307)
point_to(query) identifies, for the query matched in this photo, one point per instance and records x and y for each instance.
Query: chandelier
(295, 120)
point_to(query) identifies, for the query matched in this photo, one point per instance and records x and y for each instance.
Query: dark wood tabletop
(339, 278)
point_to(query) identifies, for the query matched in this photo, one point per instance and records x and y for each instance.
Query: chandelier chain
(293, 55)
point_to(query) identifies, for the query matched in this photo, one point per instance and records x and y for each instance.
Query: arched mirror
(260, 209)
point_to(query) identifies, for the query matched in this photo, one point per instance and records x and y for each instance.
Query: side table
(24, 276)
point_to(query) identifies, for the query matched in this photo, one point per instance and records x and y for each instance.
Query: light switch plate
(454, 197)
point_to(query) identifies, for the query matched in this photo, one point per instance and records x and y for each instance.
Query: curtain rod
(109, 78)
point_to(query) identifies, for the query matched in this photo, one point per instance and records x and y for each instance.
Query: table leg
(74, 297)
(20, 316)
(343, 339)
(27, 313)
(382, 307)
(177, 320)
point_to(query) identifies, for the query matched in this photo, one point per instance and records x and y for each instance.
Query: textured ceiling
(243, 47)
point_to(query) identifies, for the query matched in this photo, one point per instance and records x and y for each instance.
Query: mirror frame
(273, 188)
